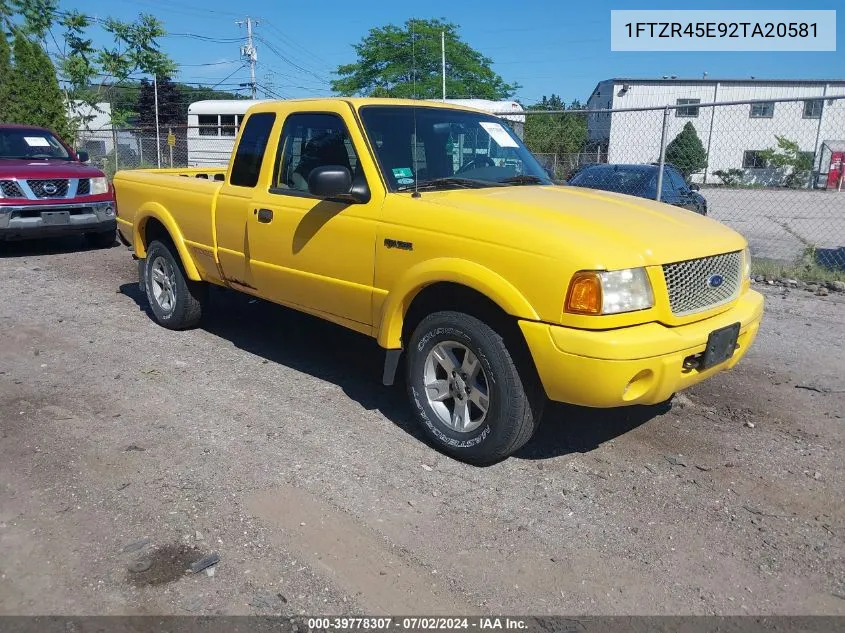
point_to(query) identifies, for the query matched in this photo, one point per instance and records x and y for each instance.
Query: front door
(312, 253)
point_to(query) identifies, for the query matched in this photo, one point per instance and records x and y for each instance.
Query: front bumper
(642, 364)
(49, 220)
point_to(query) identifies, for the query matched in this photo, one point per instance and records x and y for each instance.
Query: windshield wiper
(457, 181)
(524, 180)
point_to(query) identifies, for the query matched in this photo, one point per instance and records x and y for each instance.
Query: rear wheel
(176, 301)
(466, 390)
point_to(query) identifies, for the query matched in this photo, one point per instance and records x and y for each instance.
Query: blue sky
(547, 46)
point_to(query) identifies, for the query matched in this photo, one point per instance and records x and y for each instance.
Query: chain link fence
(772, 170)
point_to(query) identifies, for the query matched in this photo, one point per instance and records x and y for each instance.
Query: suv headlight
(99, 186)
(746, 263)
(609, 292)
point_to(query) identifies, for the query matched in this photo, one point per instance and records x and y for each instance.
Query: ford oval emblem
(714, 281)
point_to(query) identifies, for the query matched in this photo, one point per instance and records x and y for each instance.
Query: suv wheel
(466, 390)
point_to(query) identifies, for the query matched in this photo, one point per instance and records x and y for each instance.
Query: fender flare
(448, 270)
(156, 211)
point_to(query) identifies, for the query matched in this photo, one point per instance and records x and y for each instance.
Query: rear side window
(250, 153)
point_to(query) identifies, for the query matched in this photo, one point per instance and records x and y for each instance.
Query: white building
(733, 135)
(95, 133)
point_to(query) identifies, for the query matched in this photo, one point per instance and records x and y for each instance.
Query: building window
(691, 110)
(208, 125)
(754, 159)
(813, 109)
(762, 110)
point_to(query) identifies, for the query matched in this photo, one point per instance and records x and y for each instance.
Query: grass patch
(805, 268)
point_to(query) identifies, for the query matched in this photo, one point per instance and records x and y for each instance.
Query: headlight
(610, 292)
(99, 185)
(746, 262)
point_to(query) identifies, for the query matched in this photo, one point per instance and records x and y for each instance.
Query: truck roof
(359, 102)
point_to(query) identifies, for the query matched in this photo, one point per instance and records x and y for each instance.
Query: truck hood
(608, 230)
(25, 168)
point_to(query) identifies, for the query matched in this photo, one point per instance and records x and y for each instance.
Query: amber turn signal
(584, 295)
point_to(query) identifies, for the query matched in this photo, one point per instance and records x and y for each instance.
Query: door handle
(264, 215)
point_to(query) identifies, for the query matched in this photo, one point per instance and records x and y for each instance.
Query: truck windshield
(30, 143)
(445, 148)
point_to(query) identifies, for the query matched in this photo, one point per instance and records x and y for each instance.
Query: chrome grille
(52, 188)
(693, 286)
(10, 189)
(84, 187)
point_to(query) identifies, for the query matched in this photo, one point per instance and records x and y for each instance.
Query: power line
(220, 83)
(276, 52)
(295, 44)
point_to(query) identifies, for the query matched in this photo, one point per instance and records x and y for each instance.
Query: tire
(514, 401)
(176, 302)
(104, 239)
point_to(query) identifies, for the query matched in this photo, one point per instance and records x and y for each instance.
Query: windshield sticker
(402, 172)
(36, 141)
(498, 134)
(405, 181)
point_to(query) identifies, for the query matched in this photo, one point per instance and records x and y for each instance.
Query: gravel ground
(129, 452)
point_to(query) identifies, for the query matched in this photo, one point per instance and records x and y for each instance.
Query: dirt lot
(129, 451)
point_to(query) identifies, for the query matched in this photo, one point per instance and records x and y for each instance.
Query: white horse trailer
(212, 126)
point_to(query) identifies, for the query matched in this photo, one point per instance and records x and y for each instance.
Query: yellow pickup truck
(431, 228)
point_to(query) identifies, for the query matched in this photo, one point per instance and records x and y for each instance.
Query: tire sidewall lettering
(431, 337)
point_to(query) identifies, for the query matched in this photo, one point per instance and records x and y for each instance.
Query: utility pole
(443, 60)
(158, 132)
(249, 52)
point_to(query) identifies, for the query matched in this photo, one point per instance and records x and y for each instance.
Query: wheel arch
(152, 222)
(444, 277)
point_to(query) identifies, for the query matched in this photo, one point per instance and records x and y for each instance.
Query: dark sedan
(641, 181)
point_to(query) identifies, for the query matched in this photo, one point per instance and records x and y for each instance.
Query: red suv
(46, 189)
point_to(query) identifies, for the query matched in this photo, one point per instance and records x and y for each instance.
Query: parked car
(432, 229)
(46, 189)
(641, 181)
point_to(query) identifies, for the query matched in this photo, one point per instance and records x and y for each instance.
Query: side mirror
(83, 156)
(694, 186)
(331, 182)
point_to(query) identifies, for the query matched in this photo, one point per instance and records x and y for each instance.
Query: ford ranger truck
(47, 190)
(431, 228)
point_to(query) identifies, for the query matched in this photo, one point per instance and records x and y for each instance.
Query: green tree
(788, 155)
(134, 49)
(405, 61)
(34, 94)
(563, 134)
(686, 152)
(5, 71)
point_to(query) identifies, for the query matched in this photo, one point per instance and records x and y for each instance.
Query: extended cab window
(251, 148)
(309, 141)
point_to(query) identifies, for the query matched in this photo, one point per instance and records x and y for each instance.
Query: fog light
(638, 385)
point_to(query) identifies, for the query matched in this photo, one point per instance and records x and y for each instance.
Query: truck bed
(186, 196)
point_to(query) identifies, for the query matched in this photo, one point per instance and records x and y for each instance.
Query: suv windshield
(425, 146)
(29, 143)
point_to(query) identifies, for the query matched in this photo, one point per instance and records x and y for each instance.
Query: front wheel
(176, 301)
(466, 390)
